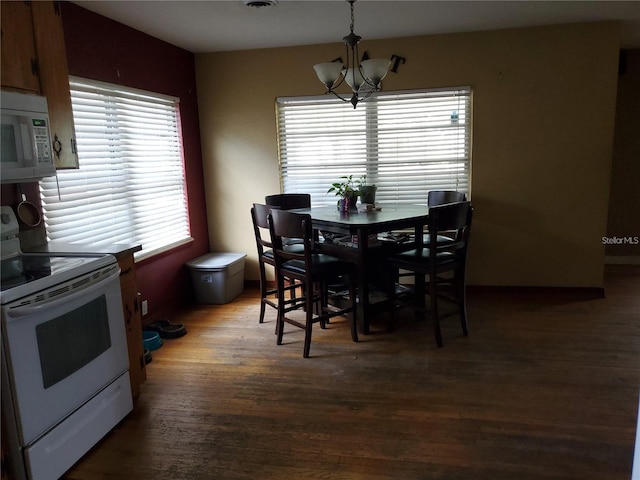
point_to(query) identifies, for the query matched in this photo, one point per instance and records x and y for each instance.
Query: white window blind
(130, 187)
(407, 143)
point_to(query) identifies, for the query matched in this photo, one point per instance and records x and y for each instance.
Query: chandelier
(364, 77)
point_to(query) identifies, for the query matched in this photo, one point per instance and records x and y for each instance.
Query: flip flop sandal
(166, 329)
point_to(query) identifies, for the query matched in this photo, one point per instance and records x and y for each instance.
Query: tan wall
(624, 205)
(544, 105)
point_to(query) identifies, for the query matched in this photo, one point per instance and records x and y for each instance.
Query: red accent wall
(102, 49)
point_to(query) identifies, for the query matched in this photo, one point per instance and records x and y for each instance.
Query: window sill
(139, 256)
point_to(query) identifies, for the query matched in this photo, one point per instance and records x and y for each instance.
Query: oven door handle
(31, 309)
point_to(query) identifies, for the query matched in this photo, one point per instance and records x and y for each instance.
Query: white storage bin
(217, 277)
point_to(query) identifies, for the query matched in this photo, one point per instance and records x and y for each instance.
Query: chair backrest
(450, 217)
(289, 201)
(259, 214)
(440, 197)
(284, 224)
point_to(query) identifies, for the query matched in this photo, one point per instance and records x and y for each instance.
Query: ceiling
(226, 25)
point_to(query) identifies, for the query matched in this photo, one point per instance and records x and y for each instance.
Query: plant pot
(368, 194)
(348, 203)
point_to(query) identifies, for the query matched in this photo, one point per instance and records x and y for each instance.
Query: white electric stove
(63, 346)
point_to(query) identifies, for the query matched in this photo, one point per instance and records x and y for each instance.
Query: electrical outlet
(145, 307)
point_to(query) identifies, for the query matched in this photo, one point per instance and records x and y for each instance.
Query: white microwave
(26, 149)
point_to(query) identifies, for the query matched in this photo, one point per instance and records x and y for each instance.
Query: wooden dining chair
(442, 197)
(314, 271)
(436, 265)
(435, 198)
(268, 295)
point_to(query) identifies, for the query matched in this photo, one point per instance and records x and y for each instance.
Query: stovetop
(24, 269)
(23, 274)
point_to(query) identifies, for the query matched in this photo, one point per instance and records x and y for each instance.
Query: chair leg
(292, 290)
(433, 293)
(263, 292)
(280, 319)
(392, 278)
(461, 294)
(321, 306)
(420, 289)
(353, 319)
(308, 330)
(263, 307)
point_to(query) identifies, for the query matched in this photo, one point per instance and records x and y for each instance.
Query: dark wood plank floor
(545, 387)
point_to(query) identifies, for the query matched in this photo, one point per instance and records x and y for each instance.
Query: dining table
(366, 238)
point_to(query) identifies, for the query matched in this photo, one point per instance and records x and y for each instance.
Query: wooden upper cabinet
(54, 80)
(19, 59)
(34, 60)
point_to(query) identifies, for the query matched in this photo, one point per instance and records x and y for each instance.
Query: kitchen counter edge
(118, 250)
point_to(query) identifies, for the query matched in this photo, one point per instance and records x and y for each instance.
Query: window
(407, 143)
(130, 187)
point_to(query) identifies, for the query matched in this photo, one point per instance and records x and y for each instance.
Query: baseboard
(621, 260)
(587, 292)
(582, 292)
(254, 284)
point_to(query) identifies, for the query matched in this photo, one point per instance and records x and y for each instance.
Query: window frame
(123, 135)
(374, 154)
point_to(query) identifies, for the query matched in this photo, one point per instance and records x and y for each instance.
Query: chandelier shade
(364, 77)
(354, 78)
(375, 69)
(328, 73)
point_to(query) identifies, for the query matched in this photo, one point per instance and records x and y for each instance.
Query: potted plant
(367, 192)
(348, 192)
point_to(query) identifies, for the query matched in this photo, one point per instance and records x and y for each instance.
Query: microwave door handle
(31, 309)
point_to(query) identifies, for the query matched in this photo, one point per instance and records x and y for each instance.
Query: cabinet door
(133, 323)
(19, 62)
(54, 80)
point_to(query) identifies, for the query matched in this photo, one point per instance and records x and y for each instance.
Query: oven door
(63, 351)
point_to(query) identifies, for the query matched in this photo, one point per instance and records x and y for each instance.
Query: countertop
(118, 250)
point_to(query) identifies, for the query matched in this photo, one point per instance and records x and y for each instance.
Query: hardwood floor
(545, 387)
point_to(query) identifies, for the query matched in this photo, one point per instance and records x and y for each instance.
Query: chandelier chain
(352, 17)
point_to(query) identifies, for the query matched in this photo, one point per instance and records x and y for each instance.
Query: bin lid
(215, 261)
